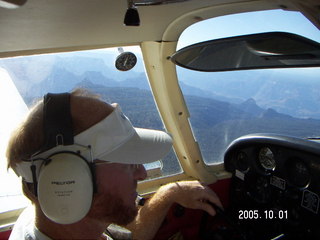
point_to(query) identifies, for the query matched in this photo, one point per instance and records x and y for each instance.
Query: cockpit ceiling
(59, 25)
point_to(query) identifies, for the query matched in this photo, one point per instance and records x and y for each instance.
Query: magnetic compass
(126, 61)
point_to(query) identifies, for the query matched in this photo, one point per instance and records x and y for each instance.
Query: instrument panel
(275, 187)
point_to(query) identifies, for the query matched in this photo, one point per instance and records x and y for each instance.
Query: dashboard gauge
(266, 159)
(298, 173)
(242, 161)
(126, 61)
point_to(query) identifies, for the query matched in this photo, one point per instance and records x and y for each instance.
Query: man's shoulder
(24, 228)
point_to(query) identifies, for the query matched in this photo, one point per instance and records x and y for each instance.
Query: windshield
(227, 105)
(27, 79)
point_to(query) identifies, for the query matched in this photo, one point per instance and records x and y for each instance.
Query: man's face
(114, 201)
(116, 192)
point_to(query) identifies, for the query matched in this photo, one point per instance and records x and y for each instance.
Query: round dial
(242, 161)
(126, 61)
(266, 159)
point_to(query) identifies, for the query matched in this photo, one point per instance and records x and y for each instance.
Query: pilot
(80, 160)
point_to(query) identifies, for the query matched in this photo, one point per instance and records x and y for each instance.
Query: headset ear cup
(65, 188)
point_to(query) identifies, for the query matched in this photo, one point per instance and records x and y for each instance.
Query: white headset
(65, 181)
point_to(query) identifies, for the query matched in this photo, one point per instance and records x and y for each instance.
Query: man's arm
(189, 194)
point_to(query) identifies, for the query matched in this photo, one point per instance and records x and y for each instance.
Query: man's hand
(192, 194)
(189, 194)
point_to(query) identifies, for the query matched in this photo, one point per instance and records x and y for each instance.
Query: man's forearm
(152, 214)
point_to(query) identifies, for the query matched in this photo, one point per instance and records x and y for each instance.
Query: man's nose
(140, 173)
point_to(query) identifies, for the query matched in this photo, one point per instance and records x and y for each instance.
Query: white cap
(113, 139)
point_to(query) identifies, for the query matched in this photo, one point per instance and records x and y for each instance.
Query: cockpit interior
(235, 83)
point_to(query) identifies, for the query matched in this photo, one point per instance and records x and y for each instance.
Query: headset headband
(57, 122)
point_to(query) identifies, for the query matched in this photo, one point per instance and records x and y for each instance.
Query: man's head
(109, 139)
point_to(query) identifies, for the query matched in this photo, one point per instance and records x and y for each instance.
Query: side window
(227, 105)
(26, 79)
(13, 109)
